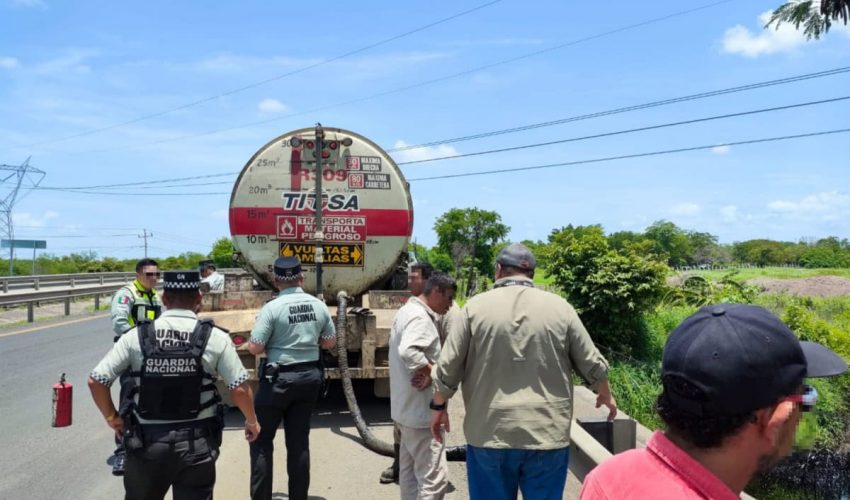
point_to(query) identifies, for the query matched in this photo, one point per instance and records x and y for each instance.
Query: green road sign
(23, 244)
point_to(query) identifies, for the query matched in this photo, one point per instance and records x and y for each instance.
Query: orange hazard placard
(335, 254)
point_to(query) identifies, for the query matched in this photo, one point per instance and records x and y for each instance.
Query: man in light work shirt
(733, 395)
(414, 347)
(514, 352)
(290, 330)
(210, 275)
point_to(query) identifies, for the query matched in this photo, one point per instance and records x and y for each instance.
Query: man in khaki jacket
(514, 352)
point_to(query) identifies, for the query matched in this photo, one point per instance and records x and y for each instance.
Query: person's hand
(116, 423)
(422, 378)
(252, 430)
(439, 421)
(606, 398)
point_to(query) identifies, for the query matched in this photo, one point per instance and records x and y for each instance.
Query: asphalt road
(42, 462)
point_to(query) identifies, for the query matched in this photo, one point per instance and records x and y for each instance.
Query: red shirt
(661, 471)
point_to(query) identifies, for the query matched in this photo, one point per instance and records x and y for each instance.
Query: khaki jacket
(514, 351)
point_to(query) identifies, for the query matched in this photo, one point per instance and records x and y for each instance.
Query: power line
(432, 81)
(626, 109)
(268, 80)
(87, 189)
(636, 155)
(631, 130)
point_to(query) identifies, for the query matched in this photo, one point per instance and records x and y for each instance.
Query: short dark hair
(425, 269)
(512, 270)
(703, 431)
(182, 299)
(441, 281)
(145, 262)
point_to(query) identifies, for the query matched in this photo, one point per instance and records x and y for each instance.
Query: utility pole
(145, 234)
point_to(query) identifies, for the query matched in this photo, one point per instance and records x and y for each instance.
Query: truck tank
(367, 222)
(367, 212)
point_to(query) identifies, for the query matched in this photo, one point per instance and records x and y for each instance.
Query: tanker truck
(352, 241)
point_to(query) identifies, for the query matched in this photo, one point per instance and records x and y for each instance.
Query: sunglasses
(152, 275)
(806, 400)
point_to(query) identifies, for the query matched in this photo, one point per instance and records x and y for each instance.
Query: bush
(610, 289)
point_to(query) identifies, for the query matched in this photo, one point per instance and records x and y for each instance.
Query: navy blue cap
(181, 280)
(743, 358)
(205, 264)
(517, 255)
(287, 268)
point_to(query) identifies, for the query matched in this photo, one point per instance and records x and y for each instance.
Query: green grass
(771, 272)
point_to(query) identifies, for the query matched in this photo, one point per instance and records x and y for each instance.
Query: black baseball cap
(517, 255)
(743, 358)
(287, 268)
(205, 264)
(181, 280)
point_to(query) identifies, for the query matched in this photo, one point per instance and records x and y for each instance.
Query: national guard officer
(290, 329)
(132, 303)
(172, 428)
(210, 275)
(137, 300)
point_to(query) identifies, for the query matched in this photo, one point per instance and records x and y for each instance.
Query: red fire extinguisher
(62, 399)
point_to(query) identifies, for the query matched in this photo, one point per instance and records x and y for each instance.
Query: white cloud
(9, 63)
(236, 63)
(740, 40)
(33, 220)
(825, 203)
(272, 106)
(71, 62)
(720, 150)
(425, 153)
(729, 213)
(686, 209)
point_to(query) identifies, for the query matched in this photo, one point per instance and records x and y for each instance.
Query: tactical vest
(172, 378)
(143, 309)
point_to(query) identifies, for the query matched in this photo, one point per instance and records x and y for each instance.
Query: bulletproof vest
(172, 377)
(143, 309)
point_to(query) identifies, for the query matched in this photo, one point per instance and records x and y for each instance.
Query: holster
(134, 440)
(217, 426)
(269, 371)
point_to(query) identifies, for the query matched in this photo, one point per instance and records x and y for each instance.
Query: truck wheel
(381, 388)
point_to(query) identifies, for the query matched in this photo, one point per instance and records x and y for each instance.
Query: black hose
(369, 439)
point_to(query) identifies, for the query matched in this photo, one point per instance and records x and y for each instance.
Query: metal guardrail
(12, 283)
(36, 282)
(31, 299)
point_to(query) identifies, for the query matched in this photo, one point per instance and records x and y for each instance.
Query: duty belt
(271, 370)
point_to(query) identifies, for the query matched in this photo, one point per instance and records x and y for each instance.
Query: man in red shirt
(733, 391)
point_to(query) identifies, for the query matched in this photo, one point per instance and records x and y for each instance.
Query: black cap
(205, 264)
(287, 268)
(181, 280)
(517, 255)
(742, 358)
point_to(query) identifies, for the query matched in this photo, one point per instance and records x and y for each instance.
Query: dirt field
(815, 286)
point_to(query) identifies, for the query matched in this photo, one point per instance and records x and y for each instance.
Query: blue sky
(67, 68)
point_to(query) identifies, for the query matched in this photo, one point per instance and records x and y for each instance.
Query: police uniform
(290, 328)
(172, 425)
(132, 303)
(216, 279)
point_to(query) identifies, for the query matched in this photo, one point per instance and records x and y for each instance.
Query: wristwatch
(435, 406)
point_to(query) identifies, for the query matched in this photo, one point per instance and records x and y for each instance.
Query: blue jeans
(497, 474)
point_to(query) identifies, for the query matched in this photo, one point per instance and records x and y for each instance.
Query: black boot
(118, 463)
(391, 474)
